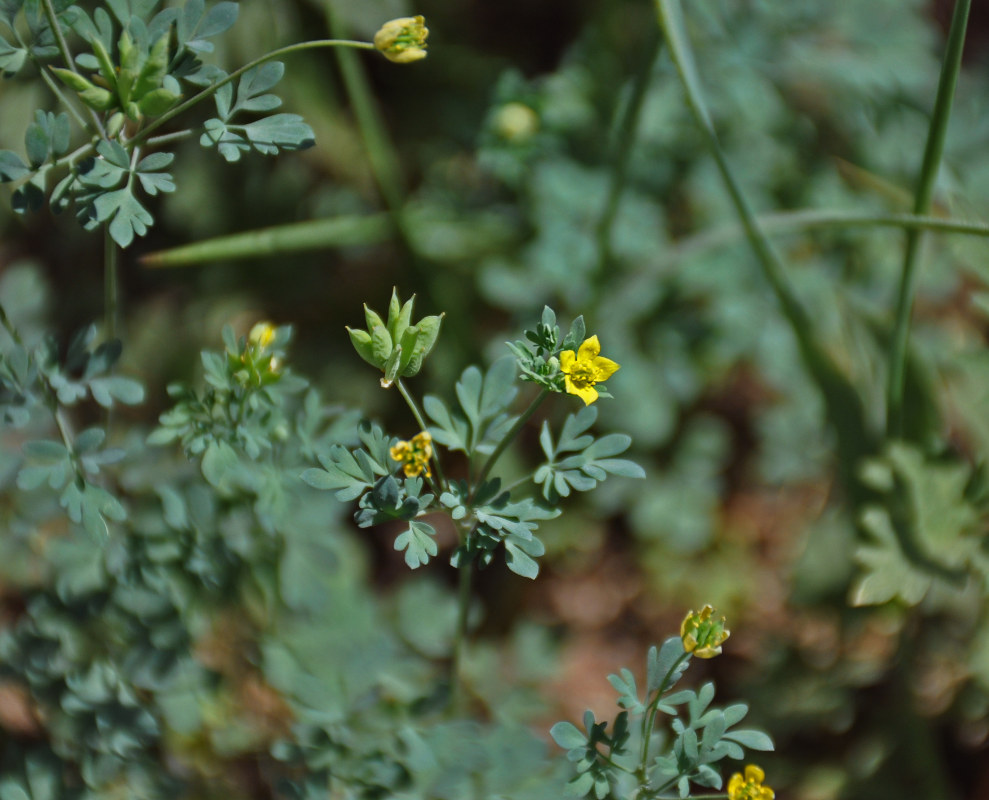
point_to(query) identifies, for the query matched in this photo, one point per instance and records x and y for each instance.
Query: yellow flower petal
(589, 350)
(604, 368)
(587, 393)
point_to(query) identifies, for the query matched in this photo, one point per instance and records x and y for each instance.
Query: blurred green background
(498, 158)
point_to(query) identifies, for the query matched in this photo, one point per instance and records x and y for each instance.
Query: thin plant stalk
(421, 422)
(209, 91)
(9, 326)
(649, 717)
(933, 152)
(788, 222)
(381, 153)
(460, 635)
(111, 288)
(510, 436)
(63, 49)
(624, 142)
(842, 403)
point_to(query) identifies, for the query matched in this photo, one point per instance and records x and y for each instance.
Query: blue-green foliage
(141, 63)
(701, 737)
(578, 461)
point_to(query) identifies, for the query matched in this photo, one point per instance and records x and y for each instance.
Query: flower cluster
(414, 455)
(703, 636)
(749, 786)
(260, 360)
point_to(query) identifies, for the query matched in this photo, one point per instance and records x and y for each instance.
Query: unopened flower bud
(703, 636)
(262, 335)
(403, 40)
(516, 122)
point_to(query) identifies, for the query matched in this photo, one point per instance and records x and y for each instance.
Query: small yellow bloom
(750, 787)
(262, 335)
(516, 122)
(702, 635)
(403, 40)
(586, 367)
(414, 455)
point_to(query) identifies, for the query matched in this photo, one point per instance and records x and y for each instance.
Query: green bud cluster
(396, 347)
(139, 87)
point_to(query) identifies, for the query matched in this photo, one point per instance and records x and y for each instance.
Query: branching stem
(509, 437)
(209, 91)
(933, 152)
(649, 717)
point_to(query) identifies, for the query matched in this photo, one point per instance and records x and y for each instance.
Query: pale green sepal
(372, 318)
(381, 345)
(107, 69)
(362, 344)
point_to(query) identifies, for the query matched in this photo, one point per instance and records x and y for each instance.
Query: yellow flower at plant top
(749, 787)
(414, 455)
(585, 368)
(702, 635)
(262, 335)
(403, 40)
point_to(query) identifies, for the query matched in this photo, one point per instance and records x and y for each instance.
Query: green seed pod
(73, 80)
(157, 102)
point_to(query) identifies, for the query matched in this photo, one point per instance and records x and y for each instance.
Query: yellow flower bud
(702, 635)
(262, 335)
(516, 122)
(403, 40)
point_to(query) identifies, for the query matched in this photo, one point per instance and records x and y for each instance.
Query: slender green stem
(209, 91)
(421, 422)
(384, 161)
(612, 763)
(460, 636)
(63, 99)
(842, 402)
(509, 437)
(933, 152)
(810, 218)
(382, 154)
(708, 796)
(63, 49)
(110, 284)
(168, 138)
(9, 326)
(63, 46)
(649, 717)
(624, 142)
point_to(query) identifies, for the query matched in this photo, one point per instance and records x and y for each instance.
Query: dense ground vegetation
(181, 619)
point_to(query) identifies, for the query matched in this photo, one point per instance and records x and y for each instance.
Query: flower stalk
(933, 151)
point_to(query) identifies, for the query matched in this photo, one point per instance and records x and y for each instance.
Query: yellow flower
(702, 635)
(262, 335)
(750, 787)
(586, 367)
(403, 40)
(414, 455)
(516, 122)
